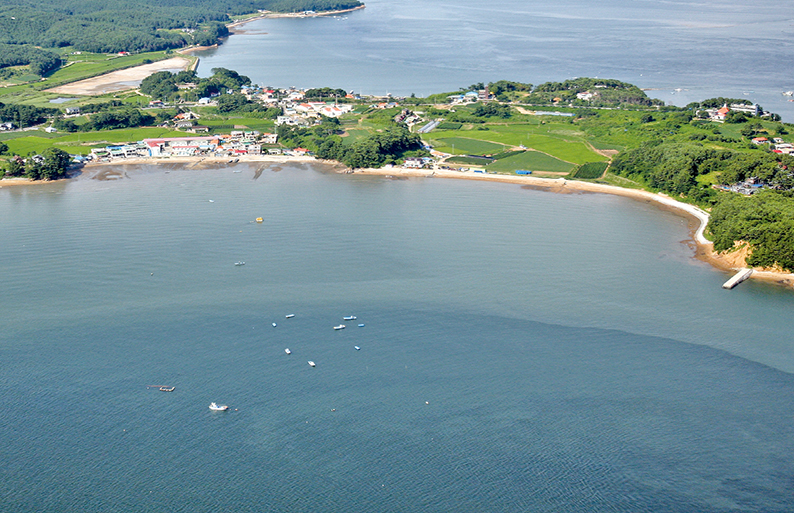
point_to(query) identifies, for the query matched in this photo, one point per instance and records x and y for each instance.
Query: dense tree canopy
(764, 220)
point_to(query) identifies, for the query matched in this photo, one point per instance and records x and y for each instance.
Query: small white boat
(357, 348)
(287, 351)
(167, 389)
(218, 407)
(360, 325)
(274, 324)
(788, 93)
(212, 201)
(239, 263)
(289, 316)
(340, 327)
(312, 364)
(349, 318)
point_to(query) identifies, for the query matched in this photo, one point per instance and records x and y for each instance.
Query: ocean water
(522, 350)
(682, 51)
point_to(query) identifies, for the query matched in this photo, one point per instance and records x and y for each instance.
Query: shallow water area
(522, 350)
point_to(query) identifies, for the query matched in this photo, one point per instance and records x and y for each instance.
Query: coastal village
(296, 111)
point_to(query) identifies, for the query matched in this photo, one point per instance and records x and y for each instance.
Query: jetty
(737, 278)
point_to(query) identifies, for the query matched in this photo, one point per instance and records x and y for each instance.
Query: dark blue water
(523, 351)
(683, 51)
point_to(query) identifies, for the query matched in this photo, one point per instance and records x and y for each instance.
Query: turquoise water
(682, 51)
(523, 351)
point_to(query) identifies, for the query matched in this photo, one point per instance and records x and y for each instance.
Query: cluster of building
(237, 143)
(720, 114)
(777, 144)
(747, 187)
(483, 95)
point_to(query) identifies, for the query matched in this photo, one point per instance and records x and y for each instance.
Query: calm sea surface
(522, 351)
(683, 51)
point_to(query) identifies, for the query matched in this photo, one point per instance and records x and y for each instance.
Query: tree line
(393, 143)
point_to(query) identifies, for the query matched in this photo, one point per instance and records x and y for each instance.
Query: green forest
(130, 26)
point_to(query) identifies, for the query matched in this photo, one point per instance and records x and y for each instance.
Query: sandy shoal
(120, 80)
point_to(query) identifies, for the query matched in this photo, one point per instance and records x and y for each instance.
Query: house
(414, 162)
(72, 111)
(154, 103)
(332, 111)
(586, 96)
(184, 124)
(6, 126)
(204, 101)
(187, 115)
(50, 130)
(760, 140)
(269, 138)
(199, 128)
(722, 113)
(753, 110)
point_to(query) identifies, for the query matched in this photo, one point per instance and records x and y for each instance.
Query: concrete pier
(737, 278)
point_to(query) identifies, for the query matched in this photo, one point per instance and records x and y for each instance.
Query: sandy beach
(703, 247)
(121, 80)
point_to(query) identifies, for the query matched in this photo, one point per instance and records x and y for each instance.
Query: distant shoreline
(704, 250)
(270, 14)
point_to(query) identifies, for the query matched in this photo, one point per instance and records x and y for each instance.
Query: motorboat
(340, 327)
(287, 351)
(357, 348)
(312, 364)
(259, 220)
(274, 324)
(289, 316)
(218, 407)
(167, 389)
(360, 325)
(239, 263)
(349, 318)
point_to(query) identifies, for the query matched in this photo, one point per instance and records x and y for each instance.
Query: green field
(79, 67)
(559, 140)
(466, 146)
(531, 161)
(225, 125)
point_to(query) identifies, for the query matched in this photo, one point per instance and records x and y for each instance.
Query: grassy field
(560, 140)
(531, 161)
(466, 146)
(228, 123)
(78, 67)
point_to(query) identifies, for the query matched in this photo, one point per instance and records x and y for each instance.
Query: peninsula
(720, 159)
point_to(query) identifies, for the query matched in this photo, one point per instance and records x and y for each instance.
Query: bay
(681, 51)
(521, 350)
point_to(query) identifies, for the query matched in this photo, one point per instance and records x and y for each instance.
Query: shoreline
(703, 247)
(704, 250)
(270, 14)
